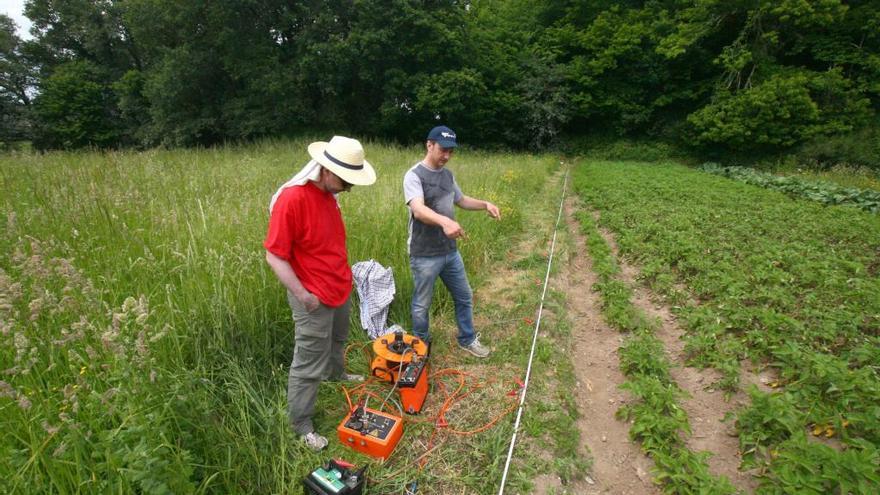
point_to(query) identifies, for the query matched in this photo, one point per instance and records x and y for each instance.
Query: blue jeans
(450, 268)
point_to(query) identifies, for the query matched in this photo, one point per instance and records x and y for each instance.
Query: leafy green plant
(686, 472)
(769, 420)
(790, 284)
(823, 192)
(643, 355)
(658, 420)
(802, 466)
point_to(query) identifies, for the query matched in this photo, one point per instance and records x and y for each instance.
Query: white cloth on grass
(375, 287)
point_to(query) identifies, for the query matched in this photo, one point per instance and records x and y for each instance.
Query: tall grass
(144, 343)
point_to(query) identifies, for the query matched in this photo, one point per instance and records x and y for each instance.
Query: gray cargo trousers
(318, 354)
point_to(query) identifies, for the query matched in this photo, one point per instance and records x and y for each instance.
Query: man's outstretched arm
(469, 203)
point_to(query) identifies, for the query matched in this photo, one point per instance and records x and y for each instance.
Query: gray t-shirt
(440, 193)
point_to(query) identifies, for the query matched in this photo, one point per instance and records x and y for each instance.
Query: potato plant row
(758, 277)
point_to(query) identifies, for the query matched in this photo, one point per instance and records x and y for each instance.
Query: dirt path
(706, 407)
(619, 467)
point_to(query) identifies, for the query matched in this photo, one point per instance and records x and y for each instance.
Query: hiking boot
(314, 441)
(476, 348)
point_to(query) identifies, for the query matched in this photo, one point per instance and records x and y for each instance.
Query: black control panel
(410, 373)
(370, 423)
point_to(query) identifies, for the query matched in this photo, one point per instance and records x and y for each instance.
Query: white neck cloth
(312, 171)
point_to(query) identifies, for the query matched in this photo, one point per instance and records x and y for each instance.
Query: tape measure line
(534, 341)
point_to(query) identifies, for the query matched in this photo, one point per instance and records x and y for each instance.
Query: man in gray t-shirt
(431, 193)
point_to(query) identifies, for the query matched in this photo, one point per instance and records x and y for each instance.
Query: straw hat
(344, 157)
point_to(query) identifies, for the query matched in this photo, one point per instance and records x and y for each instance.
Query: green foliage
(769, 420)
(544, 104)
(786, 109)
(76, 109)
(706, 75)
(856, 149)
(134, 108)
(17, 77)
(455, 95)
(778, 112)
(83, 374)
(643, 355)
(145, 343)
(686, 472)
(617, 77)
(824, 193)
(808, 467)
(657, 418)
(181, 95)
(837, 390)
(788, 283)
(615, 148)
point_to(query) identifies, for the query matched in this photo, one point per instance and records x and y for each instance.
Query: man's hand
(452, 229)
(286, 275)
(493, 211)
(309, 300)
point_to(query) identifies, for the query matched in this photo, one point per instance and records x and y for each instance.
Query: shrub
(783, 111)
(620, 149)
(860, 149)
(76, 109)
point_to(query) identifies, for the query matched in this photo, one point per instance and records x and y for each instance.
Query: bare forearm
(428, 216)
(286, 275)
(469, 203)
(422, 213)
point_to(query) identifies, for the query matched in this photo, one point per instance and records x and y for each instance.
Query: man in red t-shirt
(305, 247)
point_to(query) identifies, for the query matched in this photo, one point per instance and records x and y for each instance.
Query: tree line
(743, 76)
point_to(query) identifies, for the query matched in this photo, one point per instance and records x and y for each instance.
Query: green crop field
(758, 277)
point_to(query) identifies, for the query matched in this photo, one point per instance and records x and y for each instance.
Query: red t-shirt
(306, 230)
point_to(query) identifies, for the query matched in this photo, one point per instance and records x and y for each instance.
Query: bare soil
(619, 466)
(706, 406)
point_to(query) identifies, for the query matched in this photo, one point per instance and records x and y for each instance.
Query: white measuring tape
(522, 398)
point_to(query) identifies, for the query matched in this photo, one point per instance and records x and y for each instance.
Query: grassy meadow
(145, 342)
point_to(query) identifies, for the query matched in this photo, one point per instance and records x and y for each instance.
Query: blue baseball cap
(444, 136)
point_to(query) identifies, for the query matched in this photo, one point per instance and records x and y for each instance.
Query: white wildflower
(60, 450)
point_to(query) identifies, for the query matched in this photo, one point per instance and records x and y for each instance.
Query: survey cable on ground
(525, 386)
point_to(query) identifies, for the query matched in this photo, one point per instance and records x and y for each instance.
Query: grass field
(145, 342)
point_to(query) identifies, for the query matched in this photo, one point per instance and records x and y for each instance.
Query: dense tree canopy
(754, 75)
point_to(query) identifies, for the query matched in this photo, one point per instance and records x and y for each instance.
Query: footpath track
(619, 466)
(706, 406)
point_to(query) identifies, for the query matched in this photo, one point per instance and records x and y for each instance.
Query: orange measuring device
(371, 432)
(403, 360)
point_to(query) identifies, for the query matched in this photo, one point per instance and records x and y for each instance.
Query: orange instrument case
(403, 360)
(370, 432)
